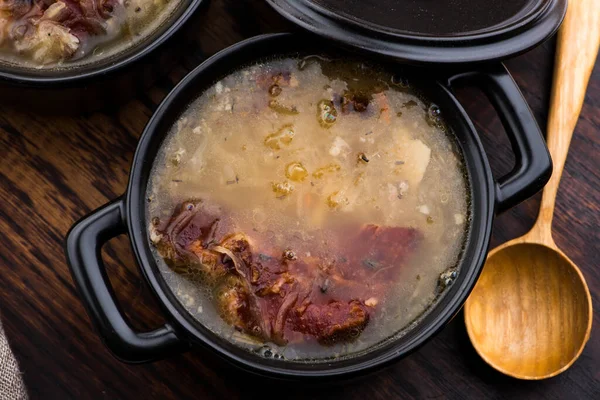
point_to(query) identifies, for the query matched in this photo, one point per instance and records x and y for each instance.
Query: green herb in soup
(309, 207)
(38, 33)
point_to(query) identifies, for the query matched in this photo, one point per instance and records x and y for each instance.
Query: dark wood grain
(53, 170)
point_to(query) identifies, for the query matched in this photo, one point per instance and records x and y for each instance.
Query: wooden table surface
(54, 170)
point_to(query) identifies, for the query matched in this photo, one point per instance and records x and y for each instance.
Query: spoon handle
(577, 47)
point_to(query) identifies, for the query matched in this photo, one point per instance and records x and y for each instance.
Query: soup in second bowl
(63, 33)
(308, 208)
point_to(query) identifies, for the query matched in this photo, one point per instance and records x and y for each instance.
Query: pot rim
(108, 65)
(480, 181)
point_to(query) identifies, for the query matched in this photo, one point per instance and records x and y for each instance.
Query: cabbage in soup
(66, 33)
(308, 208)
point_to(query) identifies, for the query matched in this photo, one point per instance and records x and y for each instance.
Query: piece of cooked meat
(50, 31)
(280, 78)
(47, 42)
(274, 294)
(57, 12)
(185, 242)
(332, 322)
(379, 250)
(354, 101)
(4, 24)
(238, 308)
(15, 8)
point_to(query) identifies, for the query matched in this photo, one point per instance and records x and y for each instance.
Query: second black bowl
(105, 83)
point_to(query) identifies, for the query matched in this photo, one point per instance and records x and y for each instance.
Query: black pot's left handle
(533, 163)
(83, 248)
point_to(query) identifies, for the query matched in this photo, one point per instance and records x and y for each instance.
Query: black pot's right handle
(533, 165)
(83, 249)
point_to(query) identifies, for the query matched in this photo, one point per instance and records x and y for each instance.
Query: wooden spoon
(530, 314)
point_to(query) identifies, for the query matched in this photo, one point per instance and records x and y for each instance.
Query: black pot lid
(430, 31)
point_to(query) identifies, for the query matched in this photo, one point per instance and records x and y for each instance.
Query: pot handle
(533, 165)
(83, 250)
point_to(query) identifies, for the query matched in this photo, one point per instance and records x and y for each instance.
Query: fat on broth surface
(301, 154)
(68, 33)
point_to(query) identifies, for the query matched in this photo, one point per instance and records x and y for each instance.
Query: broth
(68, 33)
(308, 208)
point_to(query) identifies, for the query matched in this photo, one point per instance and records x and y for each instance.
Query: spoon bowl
(530, 314)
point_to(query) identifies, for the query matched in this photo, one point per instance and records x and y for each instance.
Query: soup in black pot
(309, 208)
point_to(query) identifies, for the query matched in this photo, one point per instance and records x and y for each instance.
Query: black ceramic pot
(103, 84)
(127, 215)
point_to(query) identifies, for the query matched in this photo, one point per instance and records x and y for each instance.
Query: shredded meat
(279, 78)
(354, 101)
(50, 31)
(275, 294)
(47, 42)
